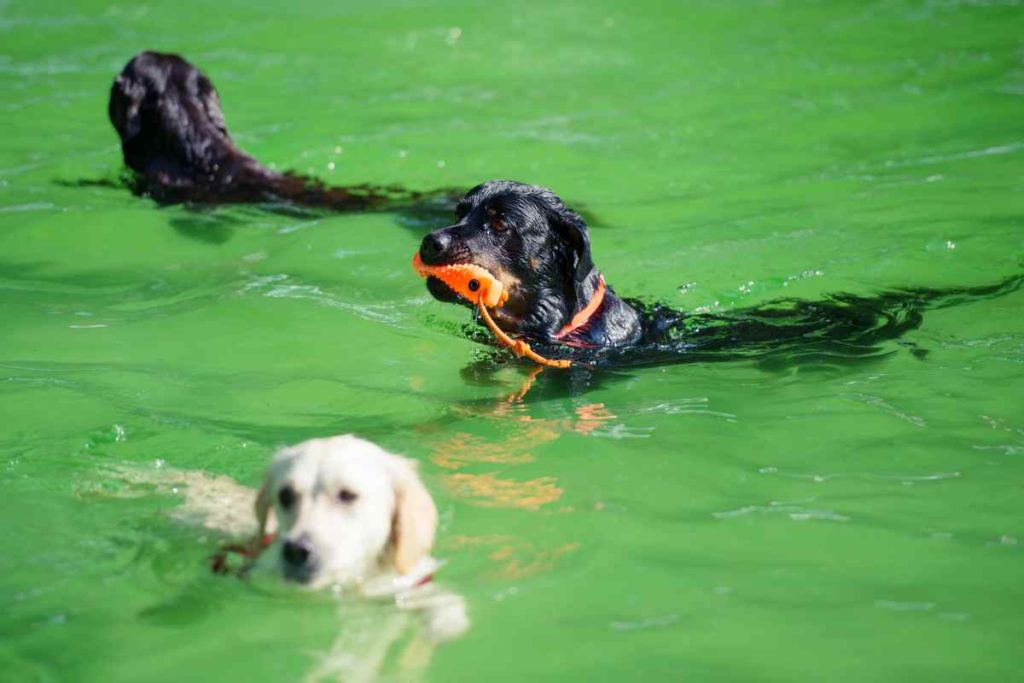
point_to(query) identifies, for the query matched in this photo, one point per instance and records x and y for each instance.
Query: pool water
(710, 521)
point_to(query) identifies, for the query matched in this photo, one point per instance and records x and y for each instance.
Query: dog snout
(435, 246)
(298, 553)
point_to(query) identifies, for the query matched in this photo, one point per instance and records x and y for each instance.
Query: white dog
(343, 513)
(348, 514)
(352, 516)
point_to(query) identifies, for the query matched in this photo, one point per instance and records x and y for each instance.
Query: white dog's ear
(264, 501)
(415, 518)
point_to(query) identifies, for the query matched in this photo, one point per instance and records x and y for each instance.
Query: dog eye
(496, 220)
(347, 496)
(286, 496)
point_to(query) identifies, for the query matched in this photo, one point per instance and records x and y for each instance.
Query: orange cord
(518, 346)
(480, 287)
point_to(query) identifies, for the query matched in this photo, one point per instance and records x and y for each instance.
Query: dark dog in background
(176, 142)
(540, 250)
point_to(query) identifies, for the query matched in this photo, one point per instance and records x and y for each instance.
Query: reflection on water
(514, 557)
(520, 433)
(398, 642)
(488, 490)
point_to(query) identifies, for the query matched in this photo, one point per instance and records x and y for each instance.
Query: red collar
(584, 316)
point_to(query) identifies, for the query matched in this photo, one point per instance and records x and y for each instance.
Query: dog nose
(297, 551)
(434, 245)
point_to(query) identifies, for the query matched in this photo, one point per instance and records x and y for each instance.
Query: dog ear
(126, 95)
(264, 502)
(573, 232)
(415, 519)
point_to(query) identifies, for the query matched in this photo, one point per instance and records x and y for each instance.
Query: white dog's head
(346, 510)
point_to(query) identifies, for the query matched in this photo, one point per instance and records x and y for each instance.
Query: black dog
(175, 140)
(558, 301)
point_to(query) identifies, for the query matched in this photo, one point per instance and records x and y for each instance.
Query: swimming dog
(175, 140)
(555, 297)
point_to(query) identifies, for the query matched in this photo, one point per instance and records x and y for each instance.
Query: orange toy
(478, 286)
(473, 283)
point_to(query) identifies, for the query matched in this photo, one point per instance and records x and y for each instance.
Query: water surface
(709, 521)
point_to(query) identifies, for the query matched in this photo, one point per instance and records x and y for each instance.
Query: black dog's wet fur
(176, 143)
(526, 235)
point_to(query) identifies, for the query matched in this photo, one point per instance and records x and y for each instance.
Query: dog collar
(583, 317)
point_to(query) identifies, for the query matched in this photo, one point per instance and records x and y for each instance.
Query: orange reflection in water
(521, 435)
(477, 475)
(517, 558)
(488, 490)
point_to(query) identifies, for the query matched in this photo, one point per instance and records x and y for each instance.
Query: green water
(706, 522)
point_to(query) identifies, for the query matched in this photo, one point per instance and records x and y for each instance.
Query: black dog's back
(175, 141)
(841, 328)
(172, 130)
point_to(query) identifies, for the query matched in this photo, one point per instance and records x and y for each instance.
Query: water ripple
(820, 478)
(687, 406)
(652, 622)
(33, 206)
(274, 287)
(795, 512)
(897, 606)
(887, 407)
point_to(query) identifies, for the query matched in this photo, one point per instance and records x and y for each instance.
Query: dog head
(346, 510)
(526, 237)
(168, 116)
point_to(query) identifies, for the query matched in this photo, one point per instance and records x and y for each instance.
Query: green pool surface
(721, 521)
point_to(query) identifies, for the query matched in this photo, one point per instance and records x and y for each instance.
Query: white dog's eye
(347, 496)
(286, 496)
